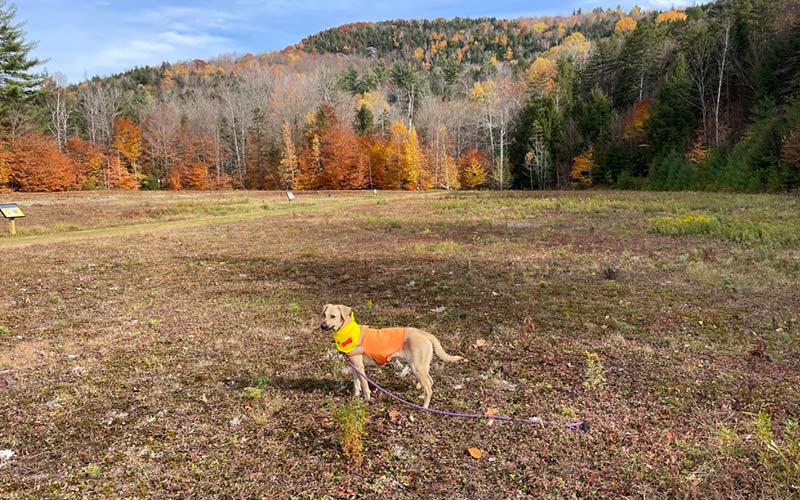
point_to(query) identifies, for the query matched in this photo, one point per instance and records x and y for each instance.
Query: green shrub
(595, 377)
(350, 419)
(671, 172)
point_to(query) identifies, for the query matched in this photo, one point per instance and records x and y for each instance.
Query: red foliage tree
(333, 158)
(35, 163)
(88, 161)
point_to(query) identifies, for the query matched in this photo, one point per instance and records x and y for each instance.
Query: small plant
(779, 456)
(92, 471)
(350, 419)
(152, 322)
(370, 305)
(251, 393)
(294, 307)
(4, 331)
(595, 373)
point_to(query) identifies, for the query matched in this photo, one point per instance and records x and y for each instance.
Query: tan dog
(365, 345)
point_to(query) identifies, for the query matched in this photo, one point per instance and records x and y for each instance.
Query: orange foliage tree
(474, 169)
(34, 163)
(88, 160)
(670, 16)
(128, 142)
(117, 176)
(625, 25)
(332, 159)
(582, 164)
(633, 126)
(194, 152)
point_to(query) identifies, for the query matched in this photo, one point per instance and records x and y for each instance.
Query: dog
(369, 346)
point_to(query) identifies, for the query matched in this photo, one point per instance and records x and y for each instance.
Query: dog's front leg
(356, 383)
(360, 383)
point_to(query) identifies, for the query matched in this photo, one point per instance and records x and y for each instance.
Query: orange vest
(381, 344)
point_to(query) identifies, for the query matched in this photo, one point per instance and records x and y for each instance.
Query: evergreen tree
(17, 83)
(674, 117)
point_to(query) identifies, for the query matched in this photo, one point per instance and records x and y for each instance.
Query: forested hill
(474, 41)
(701, 98)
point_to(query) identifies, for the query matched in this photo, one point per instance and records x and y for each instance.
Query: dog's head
(334, 316)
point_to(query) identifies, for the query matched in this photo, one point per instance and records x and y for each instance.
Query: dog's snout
(323, 326)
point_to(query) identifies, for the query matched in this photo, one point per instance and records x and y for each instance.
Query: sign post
(289, 195)
(11, 211)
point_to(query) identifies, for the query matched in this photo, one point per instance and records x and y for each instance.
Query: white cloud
(165, 46)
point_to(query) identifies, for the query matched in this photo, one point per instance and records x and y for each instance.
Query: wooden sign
(290, 195)
(11, 210)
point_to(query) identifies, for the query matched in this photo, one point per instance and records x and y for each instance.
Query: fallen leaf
(490, 412)
(480, 343)
(393, 415)
(475, 452)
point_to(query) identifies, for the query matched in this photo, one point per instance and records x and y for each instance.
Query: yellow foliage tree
(542, 74)
(473, 169)
(670, 16)
(412, 169)
(289, 166)
(582, 164)
(625, 25)
(128, 141)
(575, 47)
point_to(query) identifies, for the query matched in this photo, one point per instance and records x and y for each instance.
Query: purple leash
(581, 426)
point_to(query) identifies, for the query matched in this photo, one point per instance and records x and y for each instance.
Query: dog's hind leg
(427, 385)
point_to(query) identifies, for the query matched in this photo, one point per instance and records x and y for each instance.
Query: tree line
(704, 98)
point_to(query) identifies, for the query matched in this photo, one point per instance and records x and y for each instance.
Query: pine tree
(17, 83)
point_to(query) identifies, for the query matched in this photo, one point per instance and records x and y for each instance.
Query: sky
(83, 38)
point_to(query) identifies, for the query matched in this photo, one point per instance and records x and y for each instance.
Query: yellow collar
(348, 336)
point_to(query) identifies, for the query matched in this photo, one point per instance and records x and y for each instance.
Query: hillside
(704, 98)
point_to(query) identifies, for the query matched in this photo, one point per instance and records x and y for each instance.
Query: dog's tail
(439, 350)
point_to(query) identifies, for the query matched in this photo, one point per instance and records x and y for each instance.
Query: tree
(101, 104)
(332, 159)
(581, 173)
(625, 25)
(673, 116)
(36, 164)
(670, 16)
(541, 76)
(59, 107)
(722, 62)
(17, 83)
(128, 142)
(289, 166)
(88, 161)
(473, 169)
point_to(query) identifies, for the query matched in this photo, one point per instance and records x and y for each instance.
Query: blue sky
(90, 37)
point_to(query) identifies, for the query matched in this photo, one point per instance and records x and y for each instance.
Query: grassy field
(166, 345)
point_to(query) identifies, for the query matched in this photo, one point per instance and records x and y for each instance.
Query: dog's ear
(345, 312)
(325, 308)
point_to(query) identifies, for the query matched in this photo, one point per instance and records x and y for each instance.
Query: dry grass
(166, 346)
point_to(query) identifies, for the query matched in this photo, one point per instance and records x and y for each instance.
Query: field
(167, 345)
